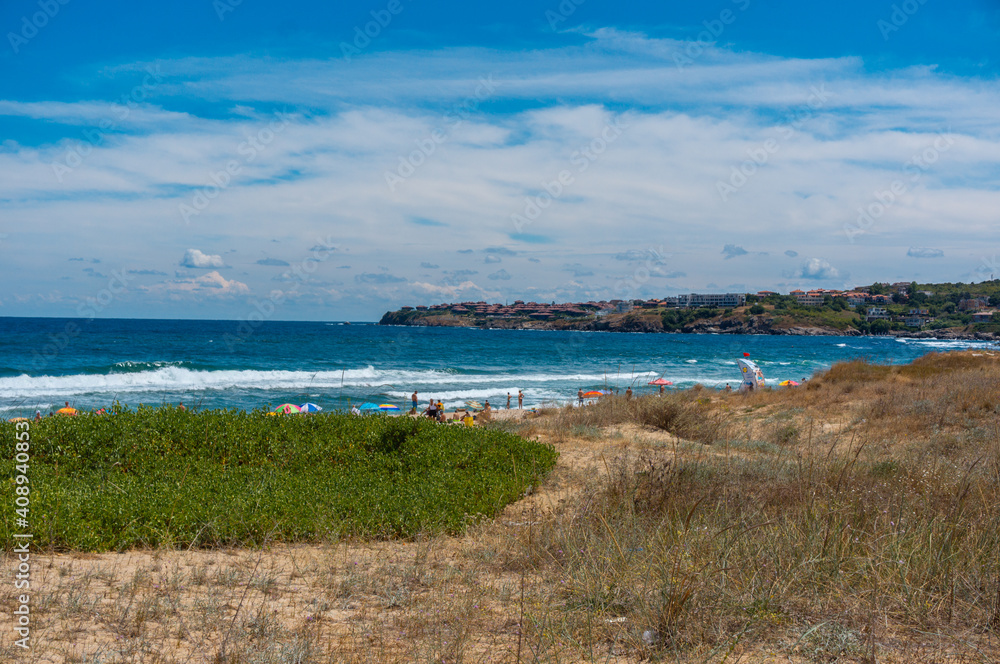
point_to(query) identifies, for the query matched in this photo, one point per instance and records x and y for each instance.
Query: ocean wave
(174, 379)
(136, 367)
(947, 343)
(497, 398)
(26, 407)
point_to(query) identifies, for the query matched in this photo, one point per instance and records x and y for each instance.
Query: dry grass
(854, 519)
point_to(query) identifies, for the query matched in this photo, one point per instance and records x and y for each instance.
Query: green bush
(159, 476)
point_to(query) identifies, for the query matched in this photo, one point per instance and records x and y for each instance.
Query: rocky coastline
(750, 324)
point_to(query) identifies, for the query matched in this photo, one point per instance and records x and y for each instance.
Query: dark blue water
(45, 362)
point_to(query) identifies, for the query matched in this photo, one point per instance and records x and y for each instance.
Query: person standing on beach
(181, 406)
(628, 392)
(579, 395)
(661, 390)
(413, 398)
(520, 399)
(508, 401)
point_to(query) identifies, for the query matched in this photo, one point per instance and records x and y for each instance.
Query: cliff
(739, 321)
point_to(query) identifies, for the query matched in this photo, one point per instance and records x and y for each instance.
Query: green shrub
(159, 476)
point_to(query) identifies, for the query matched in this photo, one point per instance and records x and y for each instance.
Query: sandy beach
(512, 589)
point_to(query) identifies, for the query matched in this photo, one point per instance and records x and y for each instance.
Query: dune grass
(813, 520)
(853, 519)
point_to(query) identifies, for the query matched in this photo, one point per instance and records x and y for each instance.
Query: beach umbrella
(659, 381)
(387, 406)
(788, 383)
(287, 409)
(368, 405)
(593, 394)
(473, 404)
(69, 410)
(18, 419)
(310, 408)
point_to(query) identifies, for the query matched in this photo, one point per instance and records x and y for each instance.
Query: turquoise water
(46, 362)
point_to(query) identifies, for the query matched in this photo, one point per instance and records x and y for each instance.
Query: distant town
(876, 309)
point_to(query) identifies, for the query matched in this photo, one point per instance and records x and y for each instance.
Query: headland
(921, 311)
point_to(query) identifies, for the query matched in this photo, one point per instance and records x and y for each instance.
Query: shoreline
(943, 334)
(605, 517)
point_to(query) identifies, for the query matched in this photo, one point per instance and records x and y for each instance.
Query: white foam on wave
(26, 406)
(947, 343)
(497, 397)
(172, 379)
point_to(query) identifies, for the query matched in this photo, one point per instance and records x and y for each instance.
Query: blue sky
(215, 159)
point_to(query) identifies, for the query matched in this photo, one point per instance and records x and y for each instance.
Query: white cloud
(464, 290)
(212, 285)
(816, 268)
(323, 176)
(197, 259)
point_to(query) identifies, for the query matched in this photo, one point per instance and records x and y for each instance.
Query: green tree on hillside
(879, 327)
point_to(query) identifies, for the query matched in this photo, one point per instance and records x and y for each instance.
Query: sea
(46, 362)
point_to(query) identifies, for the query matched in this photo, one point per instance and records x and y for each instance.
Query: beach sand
(508, 591)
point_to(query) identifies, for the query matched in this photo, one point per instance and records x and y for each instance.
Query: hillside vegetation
(773, 314)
